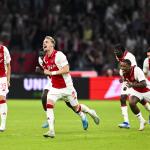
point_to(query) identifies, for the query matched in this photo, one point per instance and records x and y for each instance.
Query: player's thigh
(53, 98)
(136, 94)
(54, 95)
(147, 96)
(48, 85)
(72, 98)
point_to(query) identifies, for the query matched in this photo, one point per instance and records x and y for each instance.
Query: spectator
(23, 25)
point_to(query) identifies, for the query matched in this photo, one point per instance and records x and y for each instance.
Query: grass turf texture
(24, 130)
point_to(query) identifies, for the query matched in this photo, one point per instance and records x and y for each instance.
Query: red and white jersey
(4, 60)
(136, 74)
(55, 62)
(146, 66)
(129, 56)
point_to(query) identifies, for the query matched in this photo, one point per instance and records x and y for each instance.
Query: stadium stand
(85, 31)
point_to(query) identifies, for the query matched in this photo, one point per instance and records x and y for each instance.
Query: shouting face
(48, 45)
(125, 67)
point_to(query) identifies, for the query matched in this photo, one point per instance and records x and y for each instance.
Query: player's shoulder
(137, 69)
(130, 54)
(60, 54)
(146, 59)
(5, 48)
(2, 46)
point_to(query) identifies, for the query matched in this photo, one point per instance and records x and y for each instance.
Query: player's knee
(132, 103)
(143, 102)
(2, 98)
(50, 104)
(77, 108)
(123, 99)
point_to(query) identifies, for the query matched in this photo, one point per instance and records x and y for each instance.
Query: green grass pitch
(24, 131)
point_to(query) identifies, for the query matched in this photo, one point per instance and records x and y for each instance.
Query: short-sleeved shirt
(136, 74)
(129, 56)
(55, 62)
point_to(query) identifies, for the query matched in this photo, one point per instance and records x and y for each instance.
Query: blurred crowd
(85, 30)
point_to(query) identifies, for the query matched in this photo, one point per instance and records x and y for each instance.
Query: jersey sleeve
(139, 75)
(61, 59)
(145, 66)
(7, 55)
(133, 60)
(40, 61)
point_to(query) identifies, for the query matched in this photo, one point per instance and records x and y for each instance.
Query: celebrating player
(122, 54)
(5, 71)
(57, 68)
(46, 89)
(146, 68)
(134, 79)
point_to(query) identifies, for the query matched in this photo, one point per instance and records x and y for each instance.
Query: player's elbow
(143, 84)
(67, 70)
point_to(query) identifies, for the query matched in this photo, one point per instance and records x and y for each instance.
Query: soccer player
(46, 89)
(146, 64)
(134, 79)
(57, 68)
(121, 53)
(146, 67)
(5, 71)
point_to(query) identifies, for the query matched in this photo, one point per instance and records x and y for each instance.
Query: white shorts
(124, 89)
(3, 86)
(139, 95)
(67, 94)
(48, 85)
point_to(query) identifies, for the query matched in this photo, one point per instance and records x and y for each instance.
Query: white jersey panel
(146, 69)
(131, 57)
(139, 76)
(61, 61)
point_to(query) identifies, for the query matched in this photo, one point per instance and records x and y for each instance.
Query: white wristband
(54, 73)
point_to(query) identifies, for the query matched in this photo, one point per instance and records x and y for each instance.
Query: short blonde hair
(51, 39)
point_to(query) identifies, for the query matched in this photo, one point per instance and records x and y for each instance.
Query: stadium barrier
(93, 88)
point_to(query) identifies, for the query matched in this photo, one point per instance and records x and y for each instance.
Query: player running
(134, 79)
(121, 53)
(5, 71)
(57, 68)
